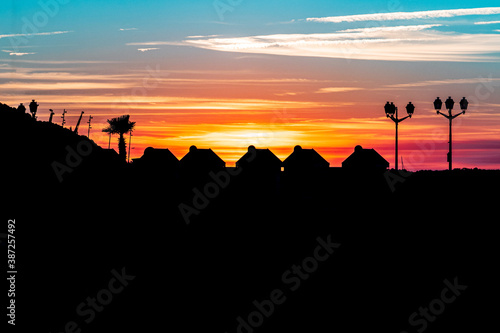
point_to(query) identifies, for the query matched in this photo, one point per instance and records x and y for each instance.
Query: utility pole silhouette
(90, 125)
(64, 118)
(51, 115)
(449, 103)
(79, 121)
(129, 145)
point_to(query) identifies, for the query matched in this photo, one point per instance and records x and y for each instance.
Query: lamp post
(390, 111)
(449, 103)
(33, 108)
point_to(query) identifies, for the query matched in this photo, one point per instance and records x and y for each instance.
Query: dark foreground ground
(108, 250)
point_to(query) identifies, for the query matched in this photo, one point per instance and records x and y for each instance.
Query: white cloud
(35, 34)
(148, 49)
(399, 43)
(157, 43)
(393, 29)
(18, 54)
(201, 36)
(128, 29)
(487, 22)
(428, 14)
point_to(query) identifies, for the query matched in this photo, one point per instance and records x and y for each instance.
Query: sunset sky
(227, 74)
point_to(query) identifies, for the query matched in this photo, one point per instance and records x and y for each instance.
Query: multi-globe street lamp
(449, 103)
(390, 111)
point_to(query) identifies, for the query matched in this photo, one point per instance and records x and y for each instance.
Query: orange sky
(228, 109)
(229, 127)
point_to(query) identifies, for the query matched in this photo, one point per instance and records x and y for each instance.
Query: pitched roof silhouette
(304, 159)
(365, 159)
(155, 157)
(201, 159)
(259, 160)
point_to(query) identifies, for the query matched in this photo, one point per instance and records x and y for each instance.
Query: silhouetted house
(258, 172)
(259, 161)
(304, 160)
(157, 160)
(365, 159)
(201, 161)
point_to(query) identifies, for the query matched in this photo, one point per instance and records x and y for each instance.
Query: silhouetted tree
(121, 126)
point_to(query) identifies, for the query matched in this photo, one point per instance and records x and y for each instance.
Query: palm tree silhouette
(121, 126)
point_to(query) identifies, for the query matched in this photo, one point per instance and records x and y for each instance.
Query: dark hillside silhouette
(45, 154)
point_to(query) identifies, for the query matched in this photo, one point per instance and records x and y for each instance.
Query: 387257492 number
(11, 245)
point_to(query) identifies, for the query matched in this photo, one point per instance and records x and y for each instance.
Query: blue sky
(95, 25)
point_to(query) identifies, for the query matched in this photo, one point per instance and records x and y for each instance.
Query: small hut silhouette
(157, 159)
(259, 161)
(304, 160)
(201, 161)
(365, 159)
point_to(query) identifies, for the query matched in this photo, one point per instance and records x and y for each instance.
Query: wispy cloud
(38, 74)
(400, 28)
(62, 62)
(428, 14)
(148, 49)
(156, 43)
(18, 54)
(488, 80)
(337, 90)
(487, 22)
(397, 43)
(58, 86)
(35, 34)
(128, 29)
(201, 36)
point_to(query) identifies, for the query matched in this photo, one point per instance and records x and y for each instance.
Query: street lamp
(449, 104)
(390, 111)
